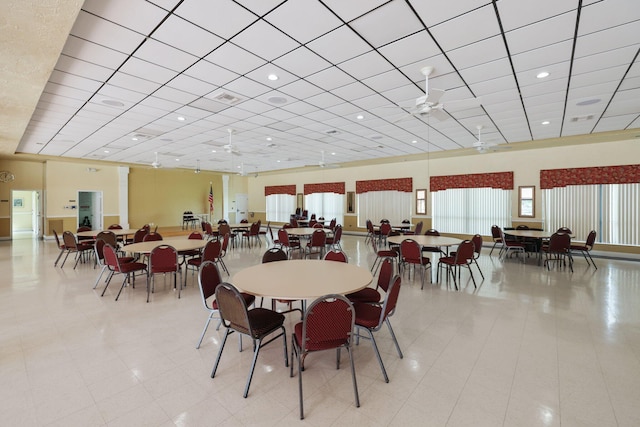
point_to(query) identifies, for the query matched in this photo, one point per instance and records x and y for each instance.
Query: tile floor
(529, 347)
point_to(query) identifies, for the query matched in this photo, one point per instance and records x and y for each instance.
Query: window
(392, 205)
(526, 202)
(470, 210)
(280, 207)
(610, 209)
(421, 202)
(327, 205)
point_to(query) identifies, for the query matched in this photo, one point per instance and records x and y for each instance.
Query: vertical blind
(327, 205)
(609, 209)
(376, 205)
(280, 207)
(471, 210)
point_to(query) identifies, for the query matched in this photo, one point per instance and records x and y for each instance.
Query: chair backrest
(406, 221)
(83, 228)
(115, 227)
(147, 227)
(225, 243)
(313, 217)
(212, 250)
(233, 308)
(591, 239)
(152, 237)
(410, 251)
(318, 237)
(336, 256)
(283, 237)
(332, 223)
(522, 227)
(255, 229)
(313, 222)
(464, 252)
(108, 236)
(196, 235)
(224, 229)
(495, 232)
(110, 257)
(69, 240)
(566, 230)
(55, 234)
(385, 228)
(477, 244)
(559, 242)
(418, 229)
(274, 254)
(293, 222)
(337, 234)
(386, 274)
(139, 235)
(305, 213)
(431, 232)
(384, 220)
(327, 323)
(163, 259)
(316, 225)
(208, 279)
(99, 248)
(390, 299)
(244, 221)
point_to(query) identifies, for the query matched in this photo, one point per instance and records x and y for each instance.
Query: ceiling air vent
(582, 118)
(226, 98)
(332, 132)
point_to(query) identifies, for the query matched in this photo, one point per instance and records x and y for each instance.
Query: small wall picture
(18, 203)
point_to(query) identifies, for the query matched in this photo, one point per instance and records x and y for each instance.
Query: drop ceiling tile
(183, 35)
(82, 68)
(137, 15)
(201, 12)
(160, 103)
(105, 33)
(609, 39)
(165, 56)
(287, 19)
(260, 7)
(175, 95)
(550, 31)
(191, 85)
(147, 70)
(247, 88)
(56, 89)
(302, 62)
(330, 78)
(346, 109)
(366, 65)
(90, 52)
(440, 66)
(256, 106)
(134, 83)
(373, 28)
(516, 14)
(371, 102)
(604, 60)
(70, 80)
(211, 73)
(348, 10)
(603, 15)
(261, 75)
(487, 71)
(615, 123)
(431, 15)
(300, 107)
(339, 45)
(599, 76)
(243, 61)
(410, 49)
(490, 88)
(324, 100)
(450, 37)
(265, 41)
(407, 93)
(548, 99)
(537, 60)
(487, 50)
(300, 89)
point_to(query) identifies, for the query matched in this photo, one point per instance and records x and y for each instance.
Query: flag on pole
(210, 199)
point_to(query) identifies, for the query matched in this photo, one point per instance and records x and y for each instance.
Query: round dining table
(120, 232)
(181, 244)
(302, 279)
(303, 231)
(435, 241)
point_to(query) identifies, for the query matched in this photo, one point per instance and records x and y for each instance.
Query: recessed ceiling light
(359, 117)
(177, 160)
(542, 74)
(333, 154)
(134, 139)
(277, 161)
(588, 102)
(106, 151)
(546, 122)
(269, 138)
(272, 77)
(414, 142)
(182, 119)
(277, 100)
(213, 151)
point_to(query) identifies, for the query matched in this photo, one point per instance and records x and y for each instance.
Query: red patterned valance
(397, 184)
(627, 174)
(324, 187)
(503, 180)
(280, 189)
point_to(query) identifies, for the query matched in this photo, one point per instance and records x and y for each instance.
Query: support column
(123, 195)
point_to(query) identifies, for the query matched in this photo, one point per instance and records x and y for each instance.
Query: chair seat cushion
(132, 266)
(315, 346)
(125, 259)
(195, 261)
(579, 247)
(263, 320)
(364, 295)
(387, 253)
(367, 315)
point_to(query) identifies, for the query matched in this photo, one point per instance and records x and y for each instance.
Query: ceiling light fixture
(414, 142)
(269, 138)
(182, 119)
(542, 74)
(546, 122)
(359, 117)
(272, 77)
(197, 167)
(588, 102)
(106, 151)
(134, 139)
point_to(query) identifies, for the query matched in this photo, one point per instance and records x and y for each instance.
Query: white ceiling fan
(228, 148)
(324, 164)
(156, 164)
(484, 146)
(429, 104)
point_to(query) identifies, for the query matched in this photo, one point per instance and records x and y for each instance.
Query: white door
(90, 209)
(242, 206)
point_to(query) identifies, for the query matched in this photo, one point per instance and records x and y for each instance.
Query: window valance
(280, 189)
(502, 180)
(396, 184)
(324, 187)
(626, 174)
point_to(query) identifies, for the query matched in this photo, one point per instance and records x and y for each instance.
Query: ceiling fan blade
(434, 96)
(438, 114)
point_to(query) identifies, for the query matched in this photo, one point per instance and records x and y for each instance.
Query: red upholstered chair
(371, 231)
(99, 249)
(252, 234)
(152, 237)
(511, 245)
(163, 259)
(211, 252)
(60, 246)
(257, 323)
(371, 317)
(559, 249)
(371, 295)
(127, 269)
(335, 255)
(586, 247)
(286, 244)
(316, 244)
(385, 229)
(72, 246)
(380, 254)
(208, 280)
(327, 324)
(333, 242)
(115, 227)
(416, 231)
(463, 257)
(410, 255)
(496, 235)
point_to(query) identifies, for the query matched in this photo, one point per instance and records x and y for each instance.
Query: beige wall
(29, 175)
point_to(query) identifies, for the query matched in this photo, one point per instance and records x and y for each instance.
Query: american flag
(210, 198)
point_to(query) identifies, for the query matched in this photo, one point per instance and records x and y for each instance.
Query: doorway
(242, 206)
(26, 218)
(90, 209)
